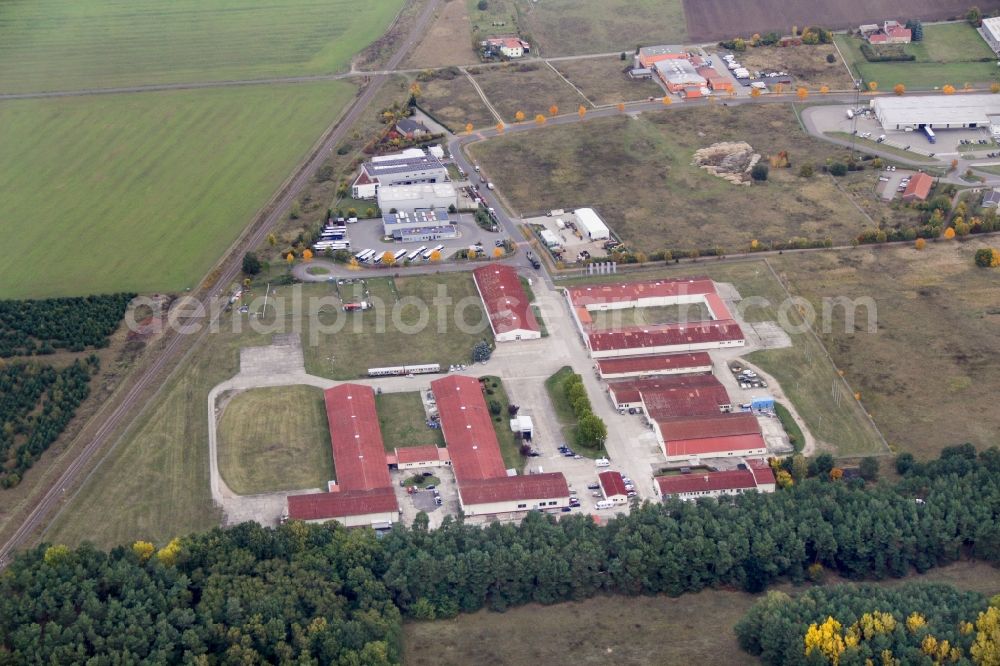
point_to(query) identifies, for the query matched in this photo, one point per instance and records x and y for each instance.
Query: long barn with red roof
(506, 303)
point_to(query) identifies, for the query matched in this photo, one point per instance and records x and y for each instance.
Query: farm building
(918, 188)
(890, 32)
(651, 366)
(484, 487)
(991, 33)
(755, 475)
(362, 494)
(592, 224)
(938, 112)
(506, 46)
(407, 168)
(416, 197)
(506, 303)
(679, 74)
(703, 388)
(650, 55)
(420, 456)
(613, 487)
(719, 332)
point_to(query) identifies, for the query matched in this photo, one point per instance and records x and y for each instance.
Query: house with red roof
(919, 187)
(485, 488)
(413, 457)
(506, 303)
(362, 493)
(751, 476)
(613, 487)
(891, 32)
(508, 46)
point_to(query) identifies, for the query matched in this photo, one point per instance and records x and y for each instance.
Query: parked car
(430, 487)
(593, 486)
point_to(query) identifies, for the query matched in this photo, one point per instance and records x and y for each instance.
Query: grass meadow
(80, 44)
(273, 439)
(144, 192)
(950, 53)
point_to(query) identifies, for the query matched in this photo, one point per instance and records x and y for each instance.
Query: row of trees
(325, 593)
(590, 429)
(915, 623)
(36, 404)
(42, 326)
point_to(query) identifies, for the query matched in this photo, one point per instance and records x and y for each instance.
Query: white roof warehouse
(938, 111)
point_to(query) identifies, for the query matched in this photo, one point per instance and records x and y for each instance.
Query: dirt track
(709, 20)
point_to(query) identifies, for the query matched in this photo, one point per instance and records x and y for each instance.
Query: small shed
(522, 425)
(762, 404)
(550, 239)
(592, 224)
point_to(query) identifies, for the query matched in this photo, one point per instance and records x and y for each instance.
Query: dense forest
(298, 592)
(43, 326)
(915, 623)
(36, 403)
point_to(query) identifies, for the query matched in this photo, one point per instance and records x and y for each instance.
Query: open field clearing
(452, 99)
(391, 332)
(448, 41)
(498, 18)
(710, 20)
(637, 174)
(574, 27)
(178, 174)
(807, 64)
(603, 80)
(80, 44)
(949, 54)
(805, 374)
(585, 632)
(404, 422)
(660, 314)
(931, 374)
(273, 439)
(530, 87)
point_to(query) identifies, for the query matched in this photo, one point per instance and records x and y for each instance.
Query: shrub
(251, 264)
(987, 258)
(838, 169)
(806, 171)
(759, 172)
(483, 5)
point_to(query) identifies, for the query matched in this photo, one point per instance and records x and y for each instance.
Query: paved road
(230, 269)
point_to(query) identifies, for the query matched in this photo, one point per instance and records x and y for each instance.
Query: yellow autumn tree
(307, 255)
(353, 264)
(539, 119)
(143, 550)
(985, 649)
(436, 255)
(755, 92)
(779, 88)
(582, 111)
(949, 233)
(872, 86)
(519, 116)
(784, 479)
(500, 127)
(56, 554)
(995, 87)
(920, 244)
(836, 474)
(415, 89)
(497, 252)
(825, 638)
(754, 244)
(948, 89)
(802, 93)
(272, 240)
(290, 258)
(915, 622)
(621, 106)
(168, 554)
(667, 101)
(824, 89)
(553, 110)
(468, 128)
(388, 258)
(899, 89)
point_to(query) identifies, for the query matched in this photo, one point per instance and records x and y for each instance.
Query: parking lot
(367, 234)
(574, 247)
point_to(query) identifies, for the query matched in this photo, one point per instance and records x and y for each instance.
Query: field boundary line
(842, 58)
(570, 84)
(833, 365)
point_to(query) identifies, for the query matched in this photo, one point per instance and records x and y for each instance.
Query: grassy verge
(510, 446)
(274, 439)
(404, 421)
(555, 386)
(792, 429)
(863, 143)
(421, 481)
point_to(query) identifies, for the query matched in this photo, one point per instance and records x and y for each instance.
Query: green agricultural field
(951, 53)
(573, 27)
(273, 439)
(80, 44)
(638, 174)
(144, 192)
(404, 421)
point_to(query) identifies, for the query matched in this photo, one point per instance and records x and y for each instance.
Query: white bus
(398, 255)
(437, 248)
(364, 254)
(413, 255)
